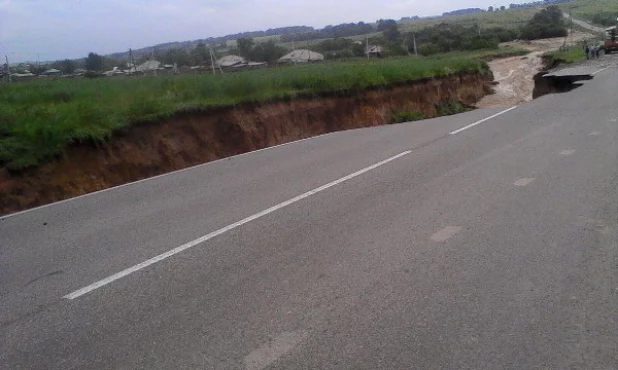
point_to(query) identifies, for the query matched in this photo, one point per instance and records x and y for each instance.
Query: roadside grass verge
(40, 118)
(557, 57)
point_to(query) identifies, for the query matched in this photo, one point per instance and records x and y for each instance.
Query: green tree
(245, 46)
(503, 7)
(200, 54)
(266, 52)
(392, 33)
(94, 62)
(67, 66)
(358, 49)
(490, 9)
(178, 56)
(385, 24)
(545, 24)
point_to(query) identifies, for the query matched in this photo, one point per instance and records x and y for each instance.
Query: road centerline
(128, 271)
(481, 121)
(524, 182)
(445, 234)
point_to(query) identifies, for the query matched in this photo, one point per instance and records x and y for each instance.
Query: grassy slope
(572, 55)
(38, 119)
(509, 18)
(585, 9)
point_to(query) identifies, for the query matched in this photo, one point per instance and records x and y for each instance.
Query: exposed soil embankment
(515, 76)
(192, 138)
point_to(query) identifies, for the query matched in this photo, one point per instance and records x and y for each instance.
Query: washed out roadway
(492, 248)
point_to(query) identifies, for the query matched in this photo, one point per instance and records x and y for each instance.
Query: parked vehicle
(611, 42)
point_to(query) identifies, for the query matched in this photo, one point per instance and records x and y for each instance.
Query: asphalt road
(585, 24)
(397, 247)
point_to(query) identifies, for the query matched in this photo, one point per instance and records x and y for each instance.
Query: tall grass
(571, 55)
(40, 118)
(587, 9)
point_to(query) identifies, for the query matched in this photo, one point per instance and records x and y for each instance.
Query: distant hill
(463, 11)
(306, 33)
(538, 3)
(137, 53)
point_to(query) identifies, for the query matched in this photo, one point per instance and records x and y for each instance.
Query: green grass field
(572, 55)
(587, 9)
(40, 118)
(509, 18)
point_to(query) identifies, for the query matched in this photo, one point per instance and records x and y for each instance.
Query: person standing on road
(587, 51)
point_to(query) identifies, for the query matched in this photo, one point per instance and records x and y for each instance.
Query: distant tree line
(606, 19)
(216, 43)
(269, 32)
(331, 32)
(545, 24)
(538, 3)
(443, 38)
(463, 11)
(259, 52)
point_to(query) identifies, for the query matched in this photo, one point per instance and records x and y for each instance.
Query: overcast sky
(58, 29)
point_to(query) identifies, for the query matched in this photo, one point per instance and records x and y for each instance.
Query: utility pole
(213, 61)
(571, 14)
(367, 46)
(8, 67)
(132, 61)
(415, 49)
(405, 46)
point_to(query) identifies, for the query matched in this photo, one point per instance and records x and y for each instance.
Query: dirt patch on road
(514, 76)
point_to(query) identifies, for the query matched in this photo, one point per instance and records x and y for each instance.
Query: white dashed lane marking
(567, 152)
(595, 133)
(163, 256)
(524, 182)
(445, 234)
(273, 350)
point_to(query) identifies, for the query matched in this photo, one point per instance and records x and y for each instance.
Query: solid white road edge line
(599, 71)
(163, 175)
(483, 120)
(191, 244)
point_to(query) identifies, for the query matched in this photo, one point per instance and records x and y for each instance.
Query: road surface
(486, 240)
(585, 24)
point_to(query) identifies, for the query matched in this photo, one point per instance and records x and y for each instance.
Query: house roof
(150, 65)
(51, 71)
(230, 61)
(373, 49)
(301, 56)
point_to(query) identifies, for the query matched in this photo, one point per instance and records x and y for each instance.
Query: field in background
(39, 118)
(509, 18)
(590, 10)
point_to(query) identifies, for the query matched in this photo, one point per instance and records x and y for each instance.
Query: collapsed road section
(558, 82)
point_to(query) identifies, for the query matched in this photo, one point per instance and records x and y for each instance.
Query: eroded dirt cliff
(189, 139)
